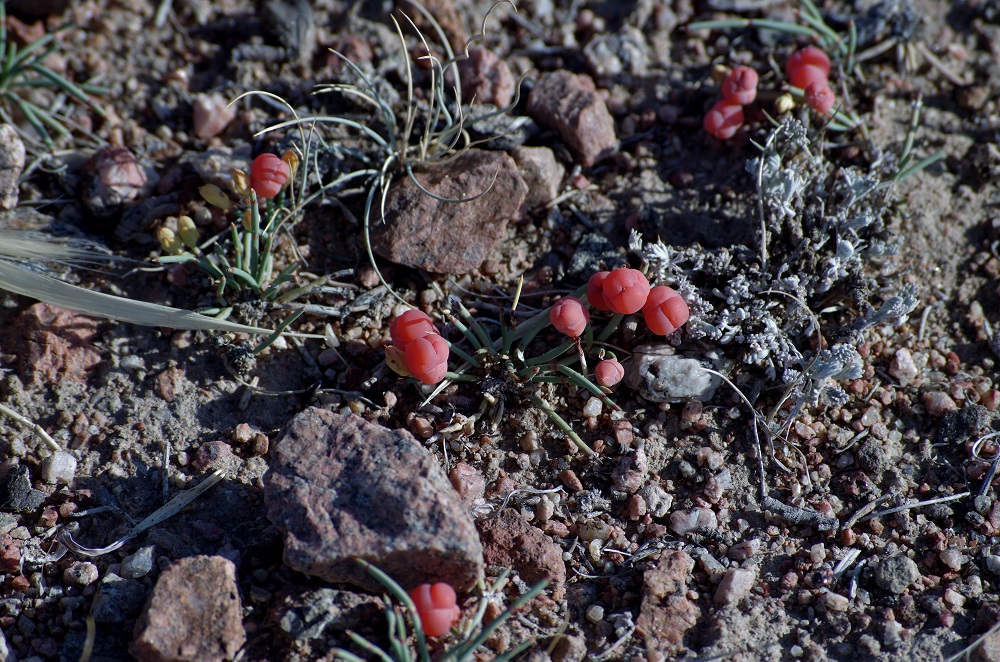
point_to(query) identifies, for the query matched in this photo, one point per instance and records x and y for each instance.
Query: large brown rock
(569, 103)
(341, 488)
(511, 542)
(193, 614)
(423, 232)
(667, 613)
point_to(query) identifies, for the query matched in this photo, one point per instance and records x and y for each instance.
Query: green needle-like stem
(562, 424)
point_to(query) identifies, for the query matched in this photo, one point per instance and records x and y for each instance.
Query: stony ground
(864, 528)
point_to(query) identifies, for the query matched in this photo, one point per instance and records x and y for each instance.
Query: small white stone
(138, 564)
(60, 467)
(595, 614)
(953, 597)
(835, 601)
(902, 367)
(593, 408)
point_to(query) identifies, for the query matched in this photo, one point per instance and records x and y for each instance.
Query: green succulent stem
(562, 424)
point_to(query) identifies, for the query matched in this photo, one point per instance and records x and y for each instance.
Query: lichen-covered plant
(821, 226)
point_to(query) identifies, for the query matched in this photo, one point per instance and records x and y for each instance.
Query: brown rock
(468, 481)
(569, 103)
(667, 613)
(10, 555)
(54, 345)
(735, 585)
(168, 382)
(450, 237)
(341, 488)
(571, 480)
(486, 78)
(192, 614)
(211, 114)
(541, 172)
(511, 542)
(111, 178)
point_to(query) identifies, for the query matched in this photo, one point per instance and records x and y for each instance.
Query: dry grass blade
(71, 297)
(161, 514)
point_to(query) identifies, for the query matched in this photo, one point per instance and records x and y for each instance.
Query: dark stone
(304, 615)
(871, 457)
(118, 599)
(16, 493)
(341, 488)
(960, 425)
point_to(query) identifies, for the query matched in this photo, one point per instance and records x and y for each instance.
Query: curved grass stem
(562, 424)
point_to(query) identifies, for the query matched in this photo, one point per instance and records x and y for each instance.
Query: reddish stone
(569, 103)
(10, 555)
(511, 542)
(667, 613)
(192, 614)
(111, 178)
(486, 78)
(167, 383)
(54, 345)
(468, 482)
(422, 232)
(571, 481)
(213, 454)
(342, 488)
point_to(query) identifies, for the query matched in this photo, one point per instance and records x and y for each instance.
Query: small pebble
(896, 573)
(954, 598)
(133, 362)
(658, 501)
(211, 115)
(636, 508)
(741, 551)
(693, 520)
(60, 467)
(595, 613)
(593, 408)
(570, 480)
(735, 585)
(835, 601)
(938, 403)
(902, 367)
(81, 573)
(139, 564)
(467, 481)
(544, 510)
(953, 558)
